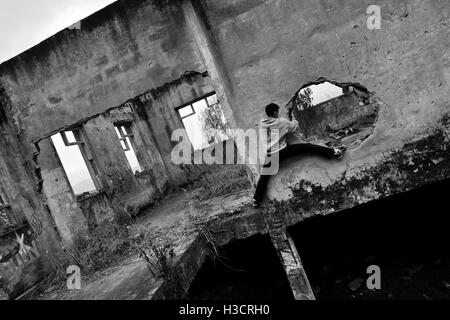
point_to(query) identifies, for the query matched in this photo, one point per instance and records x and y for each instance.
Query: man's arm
(293, 126)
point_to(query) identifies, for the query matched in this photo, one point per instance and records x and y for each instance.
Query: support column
(292, 266)
(68, 217)
(288, 254)
(212, 60)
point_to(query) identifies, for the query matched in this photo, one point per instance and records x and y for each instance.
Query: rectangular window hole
(204, 121)
(68, 149)
(126, 139)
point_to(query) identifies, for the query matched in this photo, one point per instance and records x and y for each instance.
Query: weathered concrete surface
(179, 220)
(18, 270)
(131, 55)
(293, 266)
(257, 51)
(151, 118)
(158, 106)
(288, 254)
(118, 181)
(210, 56)
(315, 186)
(59, 196)
(270, 48)
(119, 52)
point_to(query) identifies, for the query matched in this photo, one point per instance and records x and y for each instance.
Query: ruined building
(110, 88)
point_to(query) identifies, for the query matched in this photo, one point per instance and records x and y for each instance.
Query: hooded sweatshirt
(277, 130)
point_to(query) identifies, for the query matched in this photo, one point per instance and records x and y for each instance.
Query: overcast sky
(25, 23)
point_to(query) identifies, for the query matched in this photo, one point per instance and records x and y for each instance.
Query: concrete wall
(19, 271)
(59, 196)
(20, 182)
(122, 186)
(118, 189)
(85, 76)
(133, 61)
(160, 109)
(120, 52)
(270, 48)
(256, 52)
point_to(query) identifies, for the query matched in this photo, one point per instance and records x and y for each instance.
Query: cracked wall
(270, 47)
(33, 221)
(151, 117)
(119, 189)
(119, 52)
(134, 55)
(128, 62)
(322, 188)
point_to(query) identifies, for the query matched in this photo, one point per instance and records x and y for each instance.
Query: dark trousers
(289, 151)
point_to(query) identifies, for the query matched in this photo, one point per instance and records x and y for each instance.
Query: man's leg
(302, 148)
(262, 182)
(260, 188)
(289, 151)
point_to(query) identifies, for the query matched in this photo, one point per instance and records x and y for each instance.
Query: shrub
(108, 244)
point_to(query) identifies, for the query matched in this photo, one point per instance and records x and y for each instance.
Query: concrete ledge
(312, 186)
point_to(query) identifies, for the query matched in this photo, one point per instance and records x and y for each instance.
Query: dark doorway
(253, 271)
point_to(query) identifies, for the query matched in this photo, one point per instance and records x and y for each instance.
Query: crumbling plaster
(271, 48)
(119, 52)
(134, 55)
(257, 52)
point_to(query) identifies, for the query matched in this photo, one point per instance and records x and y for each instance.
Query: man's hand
(296, 132)
(294, 126)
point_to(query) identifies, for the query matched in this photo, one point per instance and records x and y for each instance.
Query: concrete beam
(286, 250)
(293, 266)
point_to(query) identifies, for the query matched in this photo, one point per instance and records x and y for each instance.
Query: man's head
(272, 110)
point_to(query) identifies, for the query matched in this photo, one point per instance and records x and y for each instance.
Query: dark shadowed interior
(406, 235)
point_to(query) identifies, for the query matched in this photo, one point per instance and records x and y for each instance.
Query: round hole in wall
(335, 113)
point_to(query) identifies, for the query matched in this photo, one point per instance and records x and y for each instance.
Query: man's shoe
(255, 203)
(339, 152)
